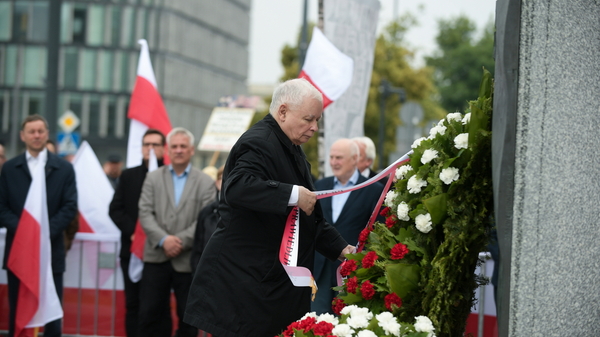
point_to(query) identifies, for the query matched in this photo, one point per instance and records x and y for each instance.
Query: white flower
(448, 175)
(424, 324)
(349, 308)
(403, 210)
(417, 142)
(308, 314)
(361, 312)
(428, 156)
(357, 322)
(366, 333)
(388, 323)
(401, 171)
(329, 318)
(415, 184)
(455, 116)
(389, 200)
(461, 141)
(342, 330)
(435, 130)
(441, 122)
(466, 119)
(423, 222)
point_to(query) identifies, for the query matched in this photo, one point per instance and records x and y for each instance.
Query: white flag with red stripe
(94, 194)
(30, 259)
(327, 68)
(146, 108)
(136, 262)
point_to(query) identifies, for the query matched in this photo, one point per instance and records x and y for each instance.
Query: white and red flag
(136, 262)
(30, 260)
(327, 68)
(94, 194)
(146, 109)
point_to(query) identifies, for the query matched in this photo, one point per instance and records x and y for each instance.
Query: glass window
(94, 115)
(125, 71)
(10, 65)
(66, 23)
(71, 66)
(116, 26)
(141, 24)
(5, 20)
(35, 104)
(20, 20)
(95, 25)
(127, 23)
(38, 29)
(112, 116)
(105, 75)
(87, 69)
(79, 23)
(34, 67)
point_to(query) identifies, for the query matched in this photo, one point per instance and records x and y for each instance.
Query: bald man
(348, 213)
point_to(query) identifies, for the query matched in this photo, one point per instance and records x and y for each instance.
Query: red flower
(322, 329)
(390, 221)
(392, 301)
(352, 284)
(347, 267)
(306, 324)
(338, 305)
(399, 251)
(367, 290)
(369, 260)
(364, 235)
(384, 211)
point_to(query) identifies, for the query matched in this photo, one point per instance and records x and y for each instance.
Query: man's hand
(306, 200)
(172, 246)
(348, 250)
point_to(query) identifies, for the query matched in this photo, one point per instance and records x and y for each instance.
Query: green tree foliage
(459, 59)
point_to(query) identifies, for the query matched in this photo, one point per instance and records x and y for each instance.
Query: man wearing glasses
(124, 212)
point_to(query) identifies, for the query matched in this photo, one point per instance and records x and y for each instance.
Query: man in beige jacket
(172, 196)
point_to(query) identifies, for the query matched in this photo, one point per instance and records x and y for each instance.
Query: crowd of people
(213, 241)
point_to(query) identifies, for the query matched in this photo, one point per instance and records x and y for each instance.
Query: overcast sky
(273, 23)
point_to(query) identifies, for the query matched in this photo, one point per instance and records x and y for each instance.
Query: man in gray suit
(172, 196)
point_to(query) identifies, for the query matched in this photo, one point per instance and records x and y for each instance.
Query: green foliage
(458, 60)
(436, 277)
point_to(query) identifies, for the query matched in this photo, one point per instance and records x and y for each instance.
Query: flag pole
(321, 133)
(214, 158)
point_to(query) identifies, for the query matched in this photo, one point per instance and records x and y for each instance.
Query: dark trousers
(132, 301)
(51, 329)
(326, 281)
(157, 281)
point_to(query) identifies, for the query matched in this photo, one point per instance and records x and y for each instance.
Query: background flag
(327, 68)
(146, 109)
(29, 260)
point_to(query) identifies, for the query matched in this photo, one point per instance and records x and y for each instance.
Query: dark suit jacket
(61, 194)
(354, 216)
(123, 208)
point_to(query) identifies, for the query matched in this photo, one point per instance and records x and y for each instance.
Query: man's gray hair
(180, 131)
(293, 92)
(369, 146)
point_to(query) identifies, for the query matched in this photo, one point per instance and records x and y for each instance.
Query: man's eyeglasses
(151, 144)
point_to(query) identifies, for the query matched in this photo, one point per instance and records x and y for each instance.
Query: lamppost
(386, 90)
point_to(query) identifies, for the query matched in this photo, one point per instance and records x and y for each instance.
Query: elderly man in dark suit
(347, 212)
(241, 288)
(172, 196)
(123, 211)
(61, 199)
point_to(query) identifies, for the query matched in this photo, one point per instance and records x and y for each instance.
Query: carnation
(466, 119)
(347, 267)
(415, 184)
(461, 141)
(352, 284)
(455, 116)
(435, 130)
(448, 175)
(402, 211)
(342, 330)
(388, 323)
(366, 333)
(399, 251)
(401, 171)
(369, 260)
(390, 221)
(390, 299)
(428, 156)
(329, 318)
(338, 305)
(357, 322)
(423, 324)
(307, 315)
(423, 222)
(417, 142)
(367, 291)
(364, 234)
(389, 198)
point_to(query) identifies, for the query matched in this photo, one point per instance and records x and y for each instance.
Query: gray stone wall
(555, 267)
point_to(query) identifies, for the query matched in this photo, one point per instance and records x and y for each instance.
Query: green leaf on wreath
(402, 277)
(437, 207)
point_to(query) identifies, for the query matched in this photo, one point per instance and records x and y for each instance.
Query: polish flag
(327, 68)
(29, 259)
(94, 194)
(136, 263)
(146, 109)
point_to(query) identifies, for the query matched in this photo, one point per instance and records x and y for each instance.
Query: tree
(459, 59)
(391, 62)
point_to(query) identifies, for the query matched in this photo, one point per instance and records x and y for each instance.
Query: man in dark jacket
(124, 212)
(241, 288)
(61, 199)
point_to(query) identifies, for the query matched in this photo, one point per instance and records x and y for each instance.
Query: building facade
(82, 56)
